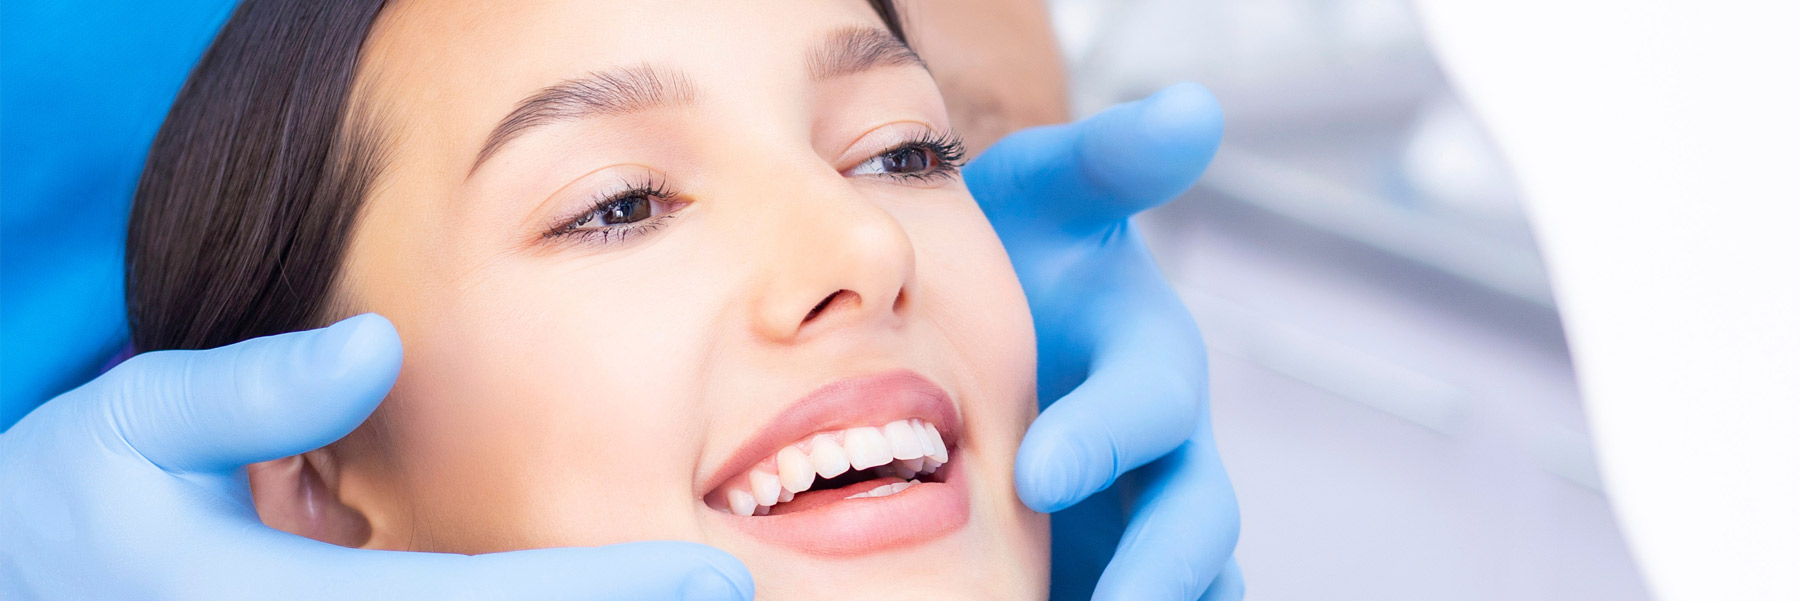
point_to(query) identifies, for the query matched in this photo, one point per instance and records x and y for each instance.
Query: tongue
(815, 498)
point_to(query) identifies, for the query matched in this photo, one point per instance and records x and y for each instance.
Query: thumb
(261, 399)
(1089, 174)
(1144, 153)
(672, 570)
(284, 566)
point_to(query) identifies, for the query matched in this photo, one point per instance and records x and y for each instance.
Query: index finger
(1144, 392)
(1083, 176)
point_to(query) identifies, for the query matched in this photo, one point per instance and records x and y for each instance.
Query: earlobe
(298, 495)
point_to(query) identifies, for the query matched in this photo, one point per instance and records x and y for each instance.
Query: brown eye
(630, 212)
(629, 209)
(924, 158)
(910, 159)
(625, 210)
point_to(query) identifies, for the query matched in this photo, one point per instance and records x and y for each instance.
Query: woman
(698, 271)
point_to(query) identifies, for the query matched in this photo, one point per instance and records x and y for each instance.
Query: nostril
(820, 308)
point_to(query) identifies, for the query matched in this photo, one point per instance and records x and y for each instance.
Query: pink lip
(851, 527)
(855, 526)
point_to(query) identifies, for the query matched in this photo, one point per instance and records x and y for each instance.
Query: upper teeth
(867, 448)
(905, 448)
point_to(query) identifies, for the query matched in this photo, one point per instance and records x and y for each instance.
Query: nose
(844, 262)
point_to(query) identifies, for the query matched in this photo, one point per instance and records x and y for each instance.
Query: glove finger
(1229, 586)
(623, 572)
(1145, 391)
(1083, 176)
(298, 568)
(1182, 531)
(261, 399)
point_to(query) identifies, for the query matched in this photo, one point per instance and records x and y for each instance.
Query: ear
(299, 495)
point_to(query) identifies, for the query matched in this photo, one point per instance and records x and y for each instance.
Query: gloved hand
(132, 486)
(1114, 338)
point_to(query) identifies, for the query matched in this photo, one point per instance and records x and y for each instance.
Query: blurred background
(1391, 389)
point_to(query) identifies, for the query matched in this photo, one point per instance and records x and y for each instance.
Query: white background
(1393, 390)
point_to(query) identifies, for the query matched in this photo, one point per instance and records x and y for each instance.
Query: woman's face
(649, 258)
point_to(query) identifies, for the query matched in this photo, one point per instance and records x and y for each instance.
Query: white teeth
(882, 491)
(923, 431)
(741, 502)
(796, 469)
(934, 445)
(904, 449)
(765, 486)
(867, 448)
(828, 457)
(903, 440)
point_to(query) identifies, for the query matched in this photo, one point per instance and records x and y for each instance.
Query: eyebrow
(853, 50)
(601, 93)
(844, 52)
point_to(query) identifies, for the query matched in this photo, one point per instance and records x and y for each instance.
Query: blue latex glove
(132, 487)
(1114, 338)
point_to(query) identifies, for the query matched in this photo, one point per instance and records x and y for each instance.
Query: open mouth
(857, 463)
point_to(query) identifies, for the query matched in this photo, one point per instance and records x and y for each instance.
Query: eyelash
(651, 188)
(947, 147)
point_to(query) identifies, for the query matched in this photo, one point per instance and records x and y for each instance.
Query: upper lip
(870, 400)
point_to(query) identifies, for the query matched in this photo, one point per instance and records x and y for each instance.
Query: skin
(996, 61)
(564, 391)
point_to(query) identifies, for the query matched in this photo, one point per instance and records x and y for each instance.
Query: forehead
(452, 69)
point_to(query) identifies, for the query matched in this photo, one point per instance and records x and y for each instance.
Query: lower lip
(848, 527)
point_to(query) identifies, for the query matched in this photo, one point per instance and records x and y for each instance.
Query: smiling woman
(674, 270)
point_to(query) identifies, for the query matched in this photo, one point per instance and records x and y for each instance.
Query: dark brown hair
(254, 182)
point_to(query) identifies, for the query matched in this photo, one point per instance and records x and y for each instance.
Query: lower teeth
(884, 490)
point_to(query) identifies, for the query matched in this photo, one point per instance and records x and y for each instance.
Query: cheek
(970, 299)
(547, 410)
(970, 295)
